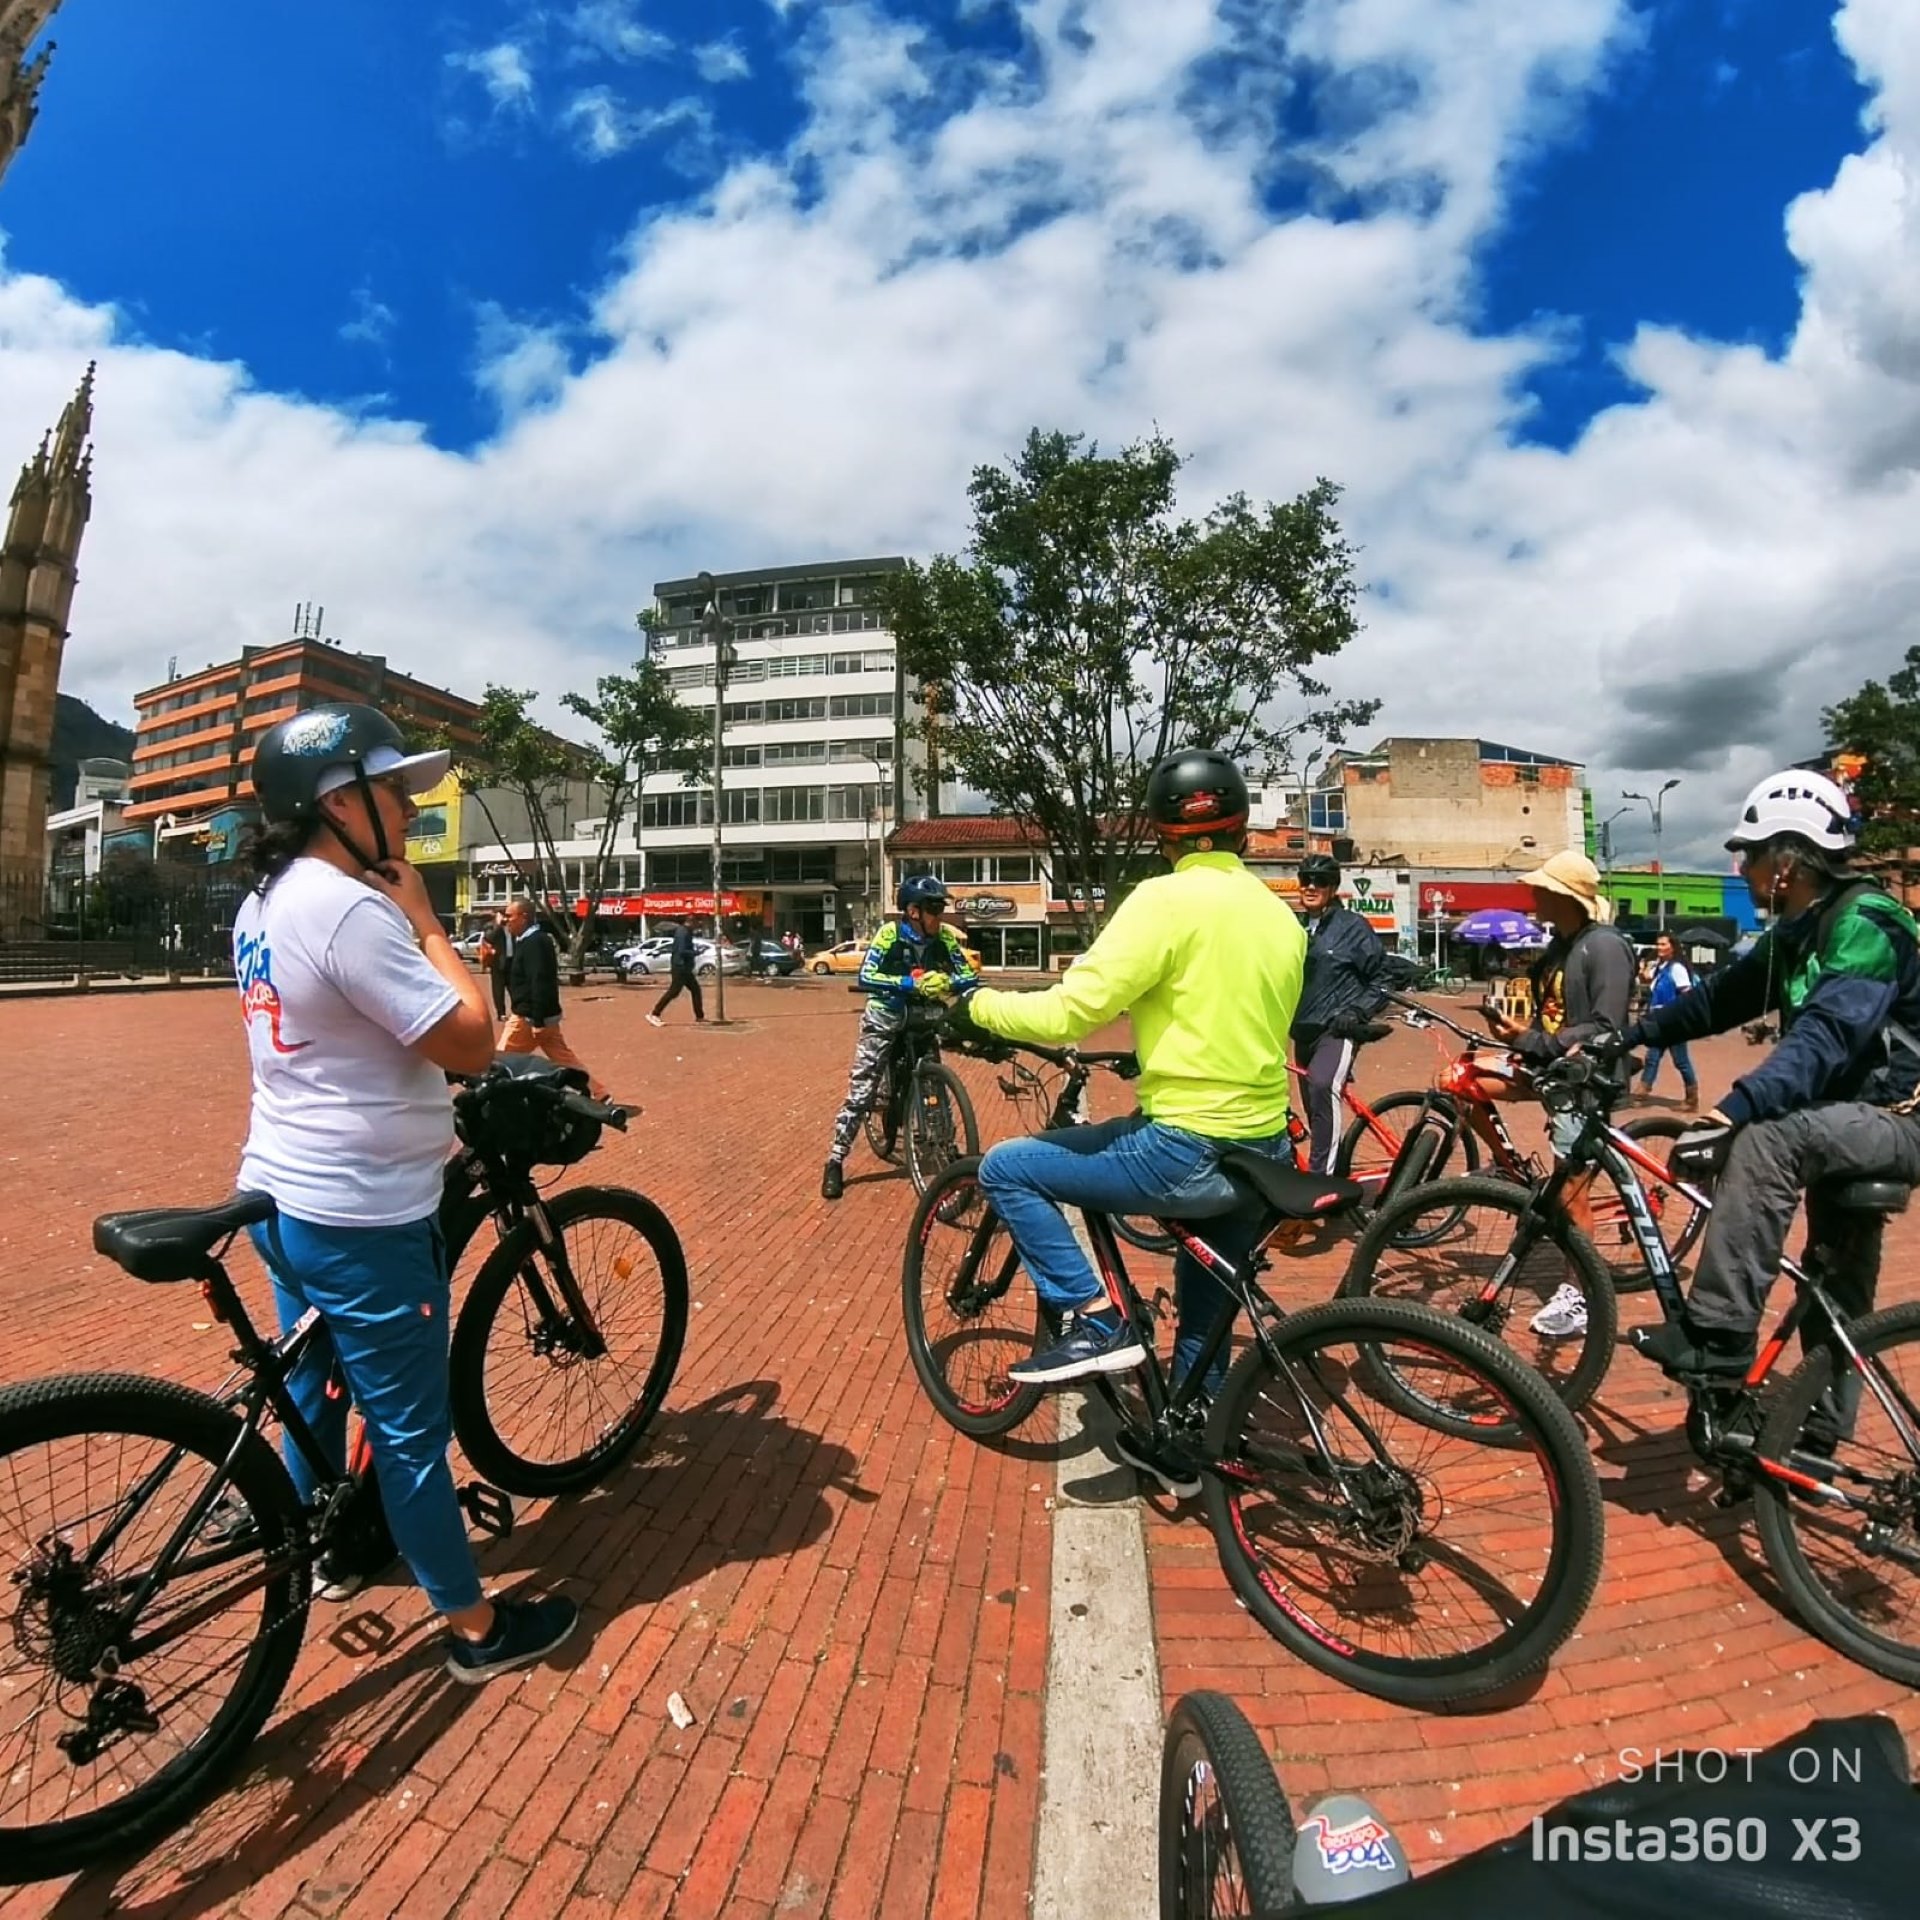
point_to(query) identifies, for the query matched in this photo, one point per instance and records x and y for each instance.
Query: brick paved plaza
(852, 1600)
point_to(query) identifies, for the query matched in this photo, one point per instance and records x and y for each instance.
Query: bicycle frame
(1603, 1145)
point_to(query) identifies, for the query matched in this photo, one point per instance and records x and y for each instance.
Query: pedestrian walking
(533, 988)
(681, 960)
(1671, 978)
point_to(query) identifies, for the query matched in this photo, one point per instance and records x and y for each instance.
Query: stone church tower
(20, 25)
(37, 575)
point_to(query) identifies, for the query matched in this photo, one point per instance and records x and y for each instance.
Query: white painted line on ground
(1094, 1855)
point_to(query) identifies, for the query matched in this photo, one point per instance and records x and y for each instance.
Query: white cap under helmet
(1809, 804)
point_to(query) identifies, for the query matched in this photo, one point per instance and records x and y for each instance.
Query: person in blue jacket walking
(1671, 979)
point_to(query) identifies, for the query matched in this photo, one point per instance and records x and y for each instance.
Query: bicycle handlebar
(1122, 1064)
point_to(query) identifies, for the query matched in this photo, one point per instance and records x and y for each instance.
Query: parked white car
(655, 955)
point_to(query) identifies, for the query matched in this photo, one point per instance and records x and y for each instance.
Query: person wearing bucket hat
(1582, 983)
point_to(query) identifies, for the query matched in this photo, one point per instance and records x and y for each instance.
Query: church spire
(21, 22)
(71, 453)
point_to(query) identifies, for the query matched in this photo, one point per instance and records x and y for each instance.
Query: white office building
(817, 765)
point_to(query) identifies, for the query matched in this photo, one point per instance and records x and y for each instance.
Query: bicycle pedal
(488, 1508)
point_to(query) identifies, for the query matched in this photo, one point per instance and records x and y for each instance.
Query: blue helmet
(922, 890)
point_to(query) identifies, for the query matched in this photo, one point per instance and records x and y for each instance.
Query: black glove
(961, 1032)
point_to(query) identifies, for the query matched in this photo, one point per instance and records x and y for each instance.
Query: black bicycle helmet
(1319, 870)
(922, 890)
(1197, 792)
(329, 747)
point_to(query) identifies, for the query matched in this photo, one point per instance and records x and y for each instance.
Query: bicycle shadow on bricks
(1655, 1484)
(728, 1480)
(334, 1762)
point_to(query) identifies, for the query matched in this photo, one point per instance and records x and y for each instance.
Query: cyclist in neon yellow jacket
(1209, 964)
(914, 957)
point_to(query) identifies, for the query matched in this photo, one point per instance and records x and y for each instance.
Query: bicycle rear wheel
(970, 1313)
(1414, 1561)
(97, 1471)
(882, 1124)
(1447, 1243)
(1226, 1832)
(940, 1126)
(546, 1403)
(1851, 1570)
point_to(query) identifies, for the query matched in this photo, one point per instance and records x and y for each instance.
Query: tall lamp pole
(717, 635)
(1656, 805)
(1606, 846)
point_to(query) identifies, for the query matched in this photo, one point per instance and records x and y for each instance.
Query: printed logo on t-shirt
(259, 998)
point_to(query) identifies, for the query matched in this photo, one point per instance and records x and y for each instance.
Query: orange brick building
(193, 743)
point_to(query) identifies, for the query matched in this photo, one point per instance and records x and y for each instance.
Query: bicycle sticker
(1355, 1844)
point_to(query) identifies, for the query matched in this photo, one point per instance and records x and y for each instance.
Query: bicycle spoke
(976, 1304)
(1379, 1531)
(56, 1499)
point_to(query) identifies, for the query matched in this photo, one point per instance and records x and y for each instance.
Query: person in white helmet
(1840, 966)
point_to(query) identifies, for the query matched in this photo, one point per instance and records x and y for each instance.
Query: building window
(805, 596)
(799, 866)
(792, 804)
(852, 803)
(683, 808)
(880, 749)
(861, 706)
(1327, 811)
(793, 753)
(814, 708)
(876, 661)
(741, 805)
(795, 666)
(1014, 869)
(739, 756)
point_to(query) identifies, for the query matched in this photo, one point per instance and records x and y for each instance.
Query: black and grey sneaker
(523, 1631)
(334, 1579)
(1162, 1461)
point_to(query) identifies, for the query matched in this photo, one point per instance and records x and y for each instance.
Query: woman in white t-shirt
(356, 1008)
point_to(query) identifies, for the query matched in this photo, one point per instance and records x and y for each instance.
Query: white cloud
(780, 376)
(720, 61)
(614, 28)
(372, 324)
(503, 70)
(603, 125)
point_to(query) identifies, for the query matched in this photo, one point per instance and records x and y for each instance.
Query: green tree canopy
(1090, 630)
(1882, 725)
(640, 728)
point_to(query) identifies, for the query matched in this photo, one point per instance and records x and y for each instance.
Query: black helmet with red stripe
(1197, 793)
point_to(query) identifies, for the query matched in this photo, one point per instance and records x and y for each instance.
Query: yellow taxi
(849, 954)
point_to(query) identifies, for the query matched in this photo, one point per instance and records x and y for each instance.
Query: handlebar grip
(607, 1114)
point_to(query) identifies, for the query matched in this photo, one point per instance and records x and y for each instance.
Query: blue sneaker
(523, 1631)
(1096, 1343)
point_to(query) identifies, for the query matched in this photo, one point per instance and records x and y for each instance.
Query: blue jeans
(383, 1295)
(1129, 1165)
(1681, 1059)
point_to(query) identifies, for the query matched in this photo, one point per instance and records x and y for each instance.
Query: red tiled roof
(965, 830)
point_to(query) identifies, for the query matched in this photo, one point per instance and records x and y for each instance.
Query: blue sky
(329, 196)
(471, 322)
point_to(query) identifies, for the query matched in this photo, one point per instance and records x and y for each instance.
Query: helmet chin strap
(373, 814)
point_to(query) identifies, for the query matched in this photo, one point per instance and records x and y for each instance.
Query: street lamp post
(1656, 805)
(716, 633)
(1439, 900)
(1606, 847)
(868, 814)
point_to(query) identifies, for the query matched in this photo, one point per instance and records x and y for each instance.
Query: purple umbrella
(1499, 927)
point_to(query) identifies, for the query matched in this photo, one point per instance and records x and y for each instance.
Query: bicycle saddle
(175, 1243)
(1286, 1189)
(1867, 1196)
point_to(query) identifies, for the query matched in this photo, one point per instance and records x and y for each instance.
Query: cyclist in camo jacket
(916, 956)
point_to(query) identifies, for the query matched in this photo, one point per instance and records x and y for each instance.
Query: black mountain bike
(922, 1103)
(1398, 1555)
(155, 1561)
(1830, 1457)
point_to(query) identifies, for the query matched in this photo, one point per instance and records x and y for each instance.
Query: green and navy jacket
(896, 952)
(1844, 977)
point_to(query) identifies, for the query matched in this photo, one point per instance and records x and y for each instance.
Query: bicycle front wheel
(970, 1313)
(1226, 1832)
(1450, 1245)
(556, 1374)
(111, 1733)
(1844, 1541)
(1412, 1560)
(940, 1124)
(1371, 1145)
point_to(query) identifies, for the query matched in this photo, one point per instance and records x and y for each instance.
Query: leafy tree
(640, 727)
(1090, 630)
(1880, 725)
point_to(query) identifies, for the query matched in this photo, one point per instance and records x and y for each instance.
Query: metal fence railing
(135, 924)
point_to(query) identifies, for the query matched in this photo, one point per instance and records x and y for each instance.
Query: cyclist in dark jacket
(1835, 1100)
(1343, 989)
